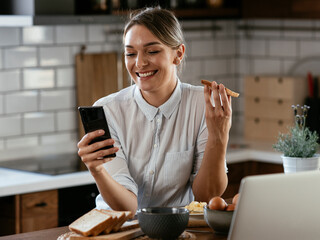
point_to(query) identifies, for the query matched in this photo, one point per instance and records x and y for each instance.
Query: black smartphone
(93, 119)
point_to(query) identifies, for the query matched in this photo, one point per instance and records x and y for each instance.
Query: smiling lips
(146, 74)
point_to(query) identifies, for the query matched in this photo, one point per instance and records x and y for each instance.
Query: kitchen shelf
(27, 20)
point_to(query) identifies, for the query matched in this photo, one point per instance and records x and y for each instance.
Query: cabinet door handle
(41, 204)
(256, 99)
(280, 101)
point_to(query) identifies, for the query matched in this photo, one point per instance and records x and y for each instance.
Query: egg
(231, 207)
(235, 199)
(217, 203)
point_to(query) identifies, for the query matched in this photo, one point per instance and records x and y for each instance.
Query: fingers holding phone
(96, 147)
(94, 154)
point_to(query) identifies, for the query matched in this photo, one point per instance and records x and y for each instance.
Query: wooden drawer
(268, 108)
(265, 129)
(275, 87)
(39, 210)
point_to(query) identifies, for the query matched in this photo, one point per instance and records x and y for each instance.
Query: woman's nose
(141, 61)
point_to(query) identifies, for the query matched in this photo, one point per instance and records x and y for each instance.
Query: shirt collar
(166, 109)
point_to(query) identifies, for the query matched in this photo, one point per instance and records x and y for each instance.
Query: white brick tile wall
(38, 78)
(252, 47)
(192, 71)
(201, 48)
(22, 142)
(1, 64)
(97, 33)
(56, 138)
(317, 25)
(283, 48)
(225, 47)
(215, 67)
(10, 126)
(89, 49)
(65, 77)
(1, 144)
(112, 47)
(267, 66)
(20, 57)
(10, 81)
(309, 48)
(54, 56)
(66, 120)
(37, 35)
(9, 36)
(1, 104)
(71, 34)
(20, 102)
(56, 99)
(38, 122)
(294, 34)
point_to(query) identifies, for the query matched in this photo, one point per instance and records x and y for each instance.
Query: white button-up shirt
(160, 149)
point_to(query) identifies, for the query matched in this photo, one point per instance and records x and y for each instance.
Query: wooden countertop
(54, 233)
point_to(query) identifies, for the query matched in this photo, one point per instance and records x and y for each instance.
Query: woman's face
(150, 63)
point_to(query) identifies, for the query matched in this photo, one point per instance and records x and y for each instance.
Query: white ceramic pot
(291, 164)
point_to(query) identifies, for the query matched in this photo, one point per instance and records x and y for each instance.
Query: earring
(177, 61)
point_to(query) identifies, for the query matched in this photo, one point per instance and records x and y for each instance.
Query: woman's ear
(180, 51)
(180, 54)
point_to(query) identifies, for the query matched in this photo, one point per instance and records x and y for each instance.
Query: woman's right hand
(92, 158)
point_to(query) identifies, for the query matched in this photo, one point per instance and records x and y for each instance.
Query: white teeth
(146, 74)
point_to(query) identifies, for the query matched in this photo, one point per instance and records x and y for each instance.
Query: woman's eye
(153, 52)
(129, 54)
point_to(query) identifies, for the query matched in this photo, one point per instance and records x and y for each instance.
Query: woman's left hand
(218, 117)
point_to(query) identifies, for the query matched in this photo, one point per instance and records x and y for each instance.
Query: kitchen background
(38, 108)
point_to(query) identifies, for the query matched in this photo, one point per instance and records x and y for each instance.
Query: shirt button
(158, 120)
(155, 145)
(151, 172)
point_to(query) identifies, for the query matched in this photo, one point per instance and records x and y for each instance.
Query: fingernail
(101, 132)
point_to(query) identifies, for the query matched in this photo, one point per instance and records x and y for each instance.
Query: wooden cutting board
(126, 235)
(98, 75)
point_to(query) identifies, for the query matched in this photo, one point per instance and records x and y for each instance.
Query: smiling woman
(170, 141)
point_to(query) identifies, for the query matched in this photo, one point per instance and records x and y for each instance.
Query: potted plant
(299, 146)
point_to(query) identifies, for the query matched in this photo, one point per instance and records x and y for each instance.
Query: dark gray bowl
(163, 222)
(219, 221)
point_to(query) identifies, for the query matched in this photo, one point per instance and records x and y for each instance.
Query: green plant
(300, 142)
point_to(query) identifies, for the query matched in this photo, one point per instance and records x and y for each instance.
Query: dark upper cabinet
(281, 9)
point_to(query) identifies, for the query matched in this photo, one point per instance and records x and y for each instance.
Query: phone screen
(93, 118)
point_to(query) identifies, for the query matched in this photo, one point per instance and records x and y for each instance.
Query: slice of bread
(118, 217)
(228, 91)
(91, 223)
(128, 215)
(122, 217)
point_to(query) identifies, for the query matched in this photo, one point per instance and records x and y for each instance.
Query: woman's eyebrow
(145, 45)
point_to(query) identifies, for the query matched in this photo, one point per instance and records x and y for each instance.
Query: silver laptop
(278, 206)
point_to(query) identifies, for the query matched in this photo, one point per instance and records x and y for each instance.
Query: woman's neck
(159, 97)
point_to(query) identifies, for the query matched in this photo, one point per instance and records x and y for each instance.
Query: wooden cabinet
(37, 210)
(268, 101)
(237, 171)
(47, 209)
(29, 212)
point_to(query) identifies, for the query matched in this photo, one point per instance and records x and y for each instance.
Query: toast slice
(91, 223)
(122, 217)
(228, 91)
(118, 216)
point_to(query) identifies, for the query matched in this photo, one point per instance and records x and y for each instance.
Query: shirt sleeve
(118, 167)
